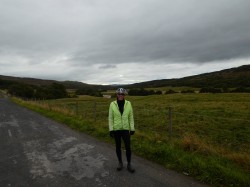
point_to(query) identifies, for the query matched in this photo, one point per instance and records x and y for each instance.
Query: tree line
(143, 92)
(57, 90)
(27, 91)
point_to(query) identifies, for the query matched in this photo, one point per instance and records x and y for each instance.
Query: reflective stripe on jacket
(118, 121)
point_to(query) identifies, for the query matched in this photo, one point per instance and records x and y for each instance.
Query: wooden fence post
(94, 111)
(77, 108)
(170, 121)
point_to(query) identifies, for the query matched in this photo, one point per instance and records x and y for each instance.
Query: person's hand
(132, 132)
(112, 134)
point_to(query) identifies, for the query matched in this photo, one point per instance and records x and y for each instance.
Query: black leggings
(122, 134)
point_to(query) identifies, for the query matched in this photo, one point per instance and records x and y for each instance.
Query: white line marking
(9, 133)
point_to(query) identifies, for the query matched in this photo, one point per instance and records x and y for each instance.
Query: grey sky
(121, 41)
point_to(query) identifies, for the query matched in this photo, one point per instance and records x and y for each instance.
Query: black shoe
(130, 168)
(120, 166)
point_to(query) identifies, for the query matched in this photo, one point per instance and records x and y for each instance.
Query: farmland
(210, 136)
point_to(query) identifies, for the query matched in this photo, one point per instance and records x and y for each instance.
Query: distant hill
(26, 80)
(80, 85)
(230, 78)
(44, 82)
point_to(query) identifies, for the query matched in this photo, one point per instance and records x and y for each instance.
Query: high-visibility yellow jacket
(118, 121)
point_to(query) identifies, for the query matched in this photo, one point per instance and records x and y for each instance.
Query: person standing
(121, 126)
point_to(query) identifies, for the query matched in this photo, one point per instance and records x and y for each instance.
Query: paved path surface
(37, 151)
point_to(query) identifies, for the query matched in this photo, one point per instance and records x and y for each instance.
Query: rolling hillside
(43, 82)
(231, 78)
(27, 80)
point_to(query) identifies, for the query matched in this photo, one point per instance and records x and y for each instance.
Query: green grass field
(210, 137)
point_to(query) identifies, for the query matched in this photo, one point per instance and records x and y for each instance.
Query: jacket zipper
(120, 112)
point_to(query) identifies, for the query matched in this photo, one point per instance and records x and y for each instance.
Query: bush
(158, 92)
(140, 92)
(241, 90)
(87, 91)
(170, 92)
(143, 92)
(187, 91)
(210, 90)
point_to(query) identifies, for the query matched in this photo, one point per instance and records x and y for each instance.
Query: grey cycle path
(37, 151)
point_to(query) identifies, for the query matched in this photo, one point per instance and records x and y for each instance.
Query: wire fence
(165, 121)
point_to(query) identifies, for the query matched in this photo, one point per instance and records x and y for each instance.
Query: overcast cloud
(121, 41)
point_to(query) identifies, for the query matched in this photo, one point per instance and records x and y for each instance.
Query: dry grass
(48, 106)
(191, 142)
